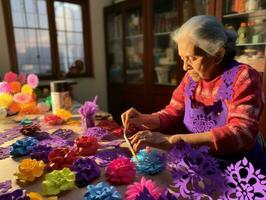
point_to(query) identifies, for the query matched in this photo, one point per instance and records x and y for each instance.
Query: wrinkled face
(199, 65)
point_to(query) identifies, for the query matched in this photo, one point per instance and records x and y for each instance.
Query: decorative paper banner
(5, 186)
(97, 132)
(244, 182)
(4, 152)
(16, 194)
(9, 134)
(195, 173)
(103, 158)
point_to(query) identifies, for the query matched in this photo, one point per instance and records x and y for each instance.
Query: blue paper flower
(149, 163)
(23, 147)
(101, 191)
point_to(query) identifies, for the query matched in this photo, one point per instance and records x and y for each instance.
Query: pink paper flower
(137, 187)
(120, 171)
(22, 78)
(22, 98)
(33, 80)
(4, 87)
(10, 76)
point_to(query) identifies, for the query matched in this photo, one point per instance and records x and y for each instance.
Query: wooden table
(9, 166)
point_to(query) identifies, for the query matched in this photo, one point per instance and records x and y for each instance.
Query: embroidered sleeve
(174, 111)
(244, 110)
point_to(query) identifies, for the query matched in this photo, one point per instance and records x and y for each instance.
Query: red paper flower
(10, 77)
(87, 145)
(60, 158)
(53, 119)
(22, 78)
(120, 171)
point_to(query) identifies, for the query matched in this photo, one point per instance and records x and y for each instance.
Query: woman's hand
(153, 139)
(132, 117)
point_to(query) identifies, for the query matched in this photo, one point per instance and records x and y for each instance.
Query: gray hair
(207, 33)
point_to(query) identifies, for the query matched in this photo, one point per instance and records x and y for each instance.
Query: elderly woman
(219, 99)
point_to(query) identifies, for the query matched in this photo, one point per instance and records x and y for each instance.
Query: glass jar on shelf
(242, 33)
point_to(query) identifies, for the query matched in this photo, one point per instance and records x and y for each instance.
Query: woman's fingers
(135, 138)
(129, 114)
(139, 145)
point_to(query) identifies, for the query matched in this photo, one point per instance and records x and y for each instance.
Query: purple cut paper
(4, 152)
(9, 134)
(5, 186)
(244, 182)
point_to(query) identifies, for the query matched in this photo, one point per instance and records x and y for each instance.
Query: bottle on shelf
(242, 33)
(251, 5)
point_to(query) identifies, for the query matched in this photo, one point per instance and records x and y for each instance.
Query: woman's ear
(220, 55)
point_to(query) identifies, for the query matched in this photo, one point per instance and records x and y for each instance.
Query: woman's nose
(186, 65)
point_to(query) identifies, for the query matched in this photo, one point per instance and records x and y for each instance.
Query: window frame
(87, 44)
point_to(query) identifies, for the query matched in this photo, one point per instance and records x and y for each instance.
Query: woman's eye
(193, 58)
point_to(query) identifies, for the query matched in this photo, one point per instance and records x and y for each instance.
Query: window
(49, 37)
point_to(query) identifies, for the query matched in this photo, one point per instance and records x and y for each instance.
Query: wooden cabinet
(248, 19)
(143, 67)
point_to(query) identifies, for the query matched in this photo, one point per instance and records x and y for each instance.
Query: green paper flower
(48, 101)
(58, 180)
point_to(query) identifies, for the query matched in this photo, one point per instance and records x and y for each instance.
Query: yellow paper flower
(35, 196)
(64, 114)
(26, 89)
(5, 100)
(29, 169)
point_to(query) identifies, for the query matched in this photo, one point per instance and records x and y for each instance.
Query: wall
(87, 88)
(4, 56)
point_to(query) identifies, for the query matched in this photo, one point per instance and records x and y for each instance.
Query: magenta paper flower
(120, 171)
(22, 78)
(10, 76)
(22, 98)
(136, 188)
(4, 87)
(33, 80)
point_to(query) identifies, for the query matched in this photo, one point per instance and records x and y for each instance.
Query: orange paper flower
(14, 107)
(30, 169)
(15, 86)
(35, 196)
(64, 114)
(29, 108)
